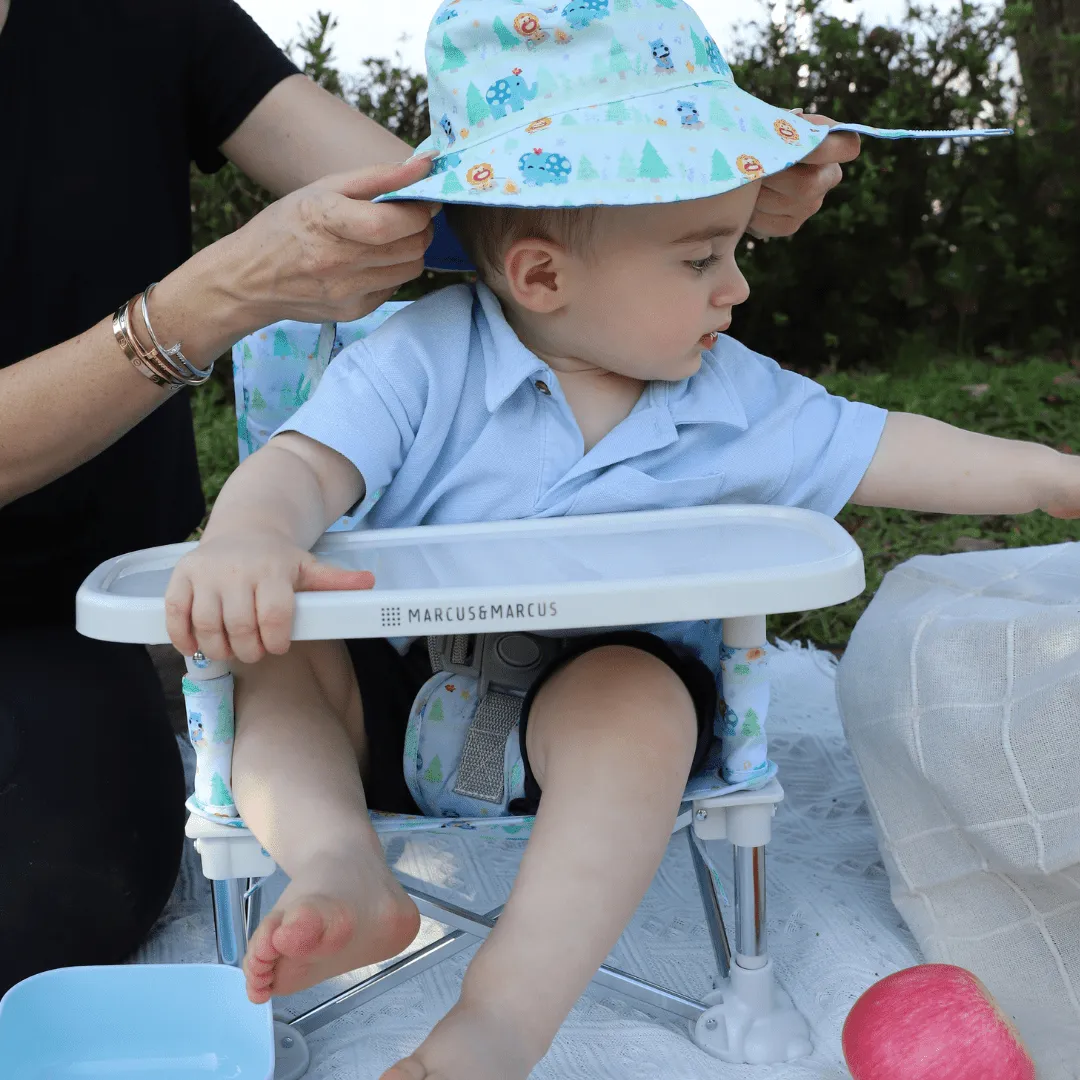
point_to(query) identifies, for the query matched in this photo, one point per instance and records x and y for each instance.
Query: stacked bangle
(164, 367)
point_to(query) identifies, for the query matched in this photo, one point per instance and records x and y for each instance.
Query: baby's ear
(536, 274)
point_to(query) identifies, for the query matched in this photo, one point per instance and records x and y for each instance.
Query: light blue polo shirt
(450, 418)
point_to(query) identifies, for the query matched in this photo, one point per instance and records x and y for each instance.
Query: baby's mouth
(707, 341)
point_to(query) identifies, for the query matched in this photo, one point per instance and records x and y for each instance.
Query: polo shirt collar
(508, 363)
(708, 397)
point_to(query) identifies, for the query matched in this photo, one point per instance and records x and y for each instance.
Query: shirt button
(543, 387)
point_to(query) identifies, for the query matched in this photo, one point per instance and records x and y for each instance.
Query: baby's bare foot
(471, 1044)
(329, 920)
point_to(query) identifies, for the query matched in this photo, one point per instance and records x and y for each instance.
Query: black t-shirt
(103, 105)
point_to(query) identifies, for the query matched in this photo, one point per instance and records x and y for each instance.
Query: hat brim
(679, 144)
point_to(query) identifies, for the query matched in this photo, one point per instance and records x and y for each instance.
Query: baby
(587, 372)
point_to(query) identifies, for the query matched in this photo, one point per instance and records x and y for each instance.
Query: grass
(215, 437)
(1033, 399)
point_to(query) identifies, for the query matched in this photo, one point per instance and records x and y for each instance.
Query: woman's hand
(789, 199)
(234, 595)
(326, 252)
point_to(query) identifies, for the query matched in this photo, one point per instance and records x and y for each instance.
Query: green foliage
(923, 245)
(215, 436)
(393, 96)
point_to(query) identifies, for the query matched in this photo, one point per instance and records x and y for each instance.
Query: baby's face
(659, 285)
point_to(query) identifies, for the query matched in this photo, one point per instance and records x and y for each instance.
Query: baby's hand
(1063, 486)
(234, 594)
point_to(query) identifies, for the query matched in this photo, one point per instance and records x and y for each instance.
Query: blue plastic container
(135, 1022)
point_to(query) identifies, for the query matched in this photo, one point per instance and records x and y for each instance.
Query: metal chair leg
(714, 918)
(229, 923)
(749, 1018)
(751, 945)
(252, 906)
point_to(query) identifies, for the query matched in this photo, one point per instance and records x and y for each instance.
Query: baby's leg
(611, 738)
(296, 778)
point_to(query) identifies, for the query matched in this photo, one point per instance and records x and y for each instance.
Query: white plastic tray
(539, 574)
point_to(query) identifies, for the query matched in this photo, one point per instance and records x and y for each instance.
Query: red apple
(932, 1022)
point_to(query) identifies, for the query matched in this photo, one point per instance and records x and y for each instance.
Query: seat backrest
(276, 369)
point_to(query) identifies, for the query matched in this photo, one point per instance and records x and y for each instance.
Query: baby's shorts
(417, 723)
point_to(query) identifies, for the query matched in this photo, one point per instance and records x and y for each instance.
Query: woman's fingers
(375, 180)
(375, 224)
(796, 194)
(837, 147)
(327, 252)
(406, 250)
(788, 199)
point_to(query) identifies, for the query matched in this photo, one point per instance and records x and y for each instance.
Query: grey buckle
(483, 757)
(453, 652)
(505, 666)
(505, 662)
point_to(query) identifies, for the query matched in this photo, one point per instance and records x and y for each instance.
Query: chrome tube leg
(751, 1019)
(253, 906)
(714, 918)
(751, 946)
(229, 923)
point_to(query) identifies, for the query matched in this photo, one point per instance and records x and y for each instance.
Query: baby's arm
(233, 595)
(924, 464)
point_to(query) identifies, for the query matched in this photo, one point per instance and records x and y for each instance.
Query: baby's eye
(701, 265)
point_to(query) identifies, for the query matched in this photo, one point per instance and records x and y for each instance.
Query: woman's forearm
(300, 133)
(318, 254)
(62, 406)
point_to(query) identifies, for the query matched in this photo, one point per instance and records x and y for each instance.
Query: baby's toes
(261, 951)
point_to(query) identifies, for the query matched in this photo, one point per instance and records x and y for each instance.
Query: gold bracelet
(131, 348)
(163, 367)
(150, 358)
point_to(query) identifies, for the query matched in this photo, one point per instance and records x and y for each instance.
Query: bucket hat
(593, 102)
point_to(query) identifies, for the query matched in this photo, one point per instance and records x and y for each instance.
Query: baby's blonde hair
(486, 232)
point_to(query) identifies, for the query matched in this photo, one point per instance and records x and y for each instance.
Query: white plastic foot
(291, 1054)
(751, 1020)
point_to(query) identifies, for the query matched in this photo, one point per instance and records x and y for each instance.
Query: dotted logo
(391, 618)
